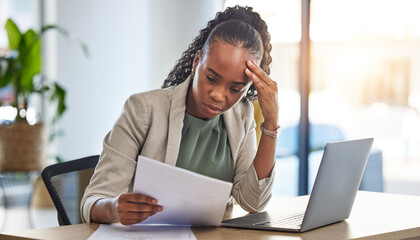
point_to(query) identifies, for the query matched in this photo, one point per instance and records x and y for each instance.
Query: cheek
(241, 96)
(200, 86)
(233, 99)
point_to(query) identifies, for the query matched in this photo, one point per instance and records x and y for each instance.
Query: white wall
(133, 45)
(175, 23)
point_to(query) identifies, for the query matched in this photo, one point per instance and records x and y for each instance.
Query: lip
(212, 109)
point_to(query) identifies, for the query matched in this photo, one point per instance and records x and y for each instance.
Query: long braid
(183, 66)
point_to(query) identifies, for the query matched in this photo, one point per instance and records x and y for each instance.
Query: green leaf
(31, 59)
(42, 89)
(55, 134)
(6, 79)
(11, 71)
(65, 33)
(13, 33)
(7, 75)
(59, 159)
(59, 94)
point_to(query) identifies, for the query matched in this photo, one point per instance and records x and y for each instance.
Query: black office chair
(73, 168)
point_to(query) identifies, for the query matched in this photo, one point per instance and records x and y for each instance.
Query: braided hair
(183, 66)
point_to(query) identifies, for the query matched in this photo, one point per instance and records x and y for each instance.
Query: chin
(211, 114)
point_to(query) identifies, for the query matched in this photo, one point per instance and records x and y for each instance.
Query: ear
(196, 60)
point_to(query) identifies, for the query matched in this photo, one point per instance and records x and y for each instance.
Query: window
(364, 79)
(364, 82)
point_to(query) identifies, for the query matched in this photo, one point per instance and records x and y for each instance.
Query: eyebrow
(214, 72)
(219, 76)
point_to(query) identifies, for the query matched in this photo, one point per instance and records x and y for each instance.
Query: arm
(267, 97)
(254, 172)
(251, 193)
(106, 199)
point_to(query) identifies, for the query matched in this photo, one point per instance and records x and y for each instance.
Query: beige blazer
(151, 125)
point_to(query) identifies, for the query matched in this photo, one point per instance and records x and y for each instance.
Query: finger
(140, 216)
(137, 216)
(133, 220)
(128, 218)
(136, 207)
(259, 72)
(270, 87)
(138, 198)
(260, 86)
(128, 222)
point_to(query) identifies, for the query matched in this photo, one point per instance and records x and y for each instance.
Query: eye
(211, 79)
(236, 90)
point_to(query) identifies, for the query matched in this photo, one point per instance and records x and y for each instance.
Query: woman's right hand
(132, 208)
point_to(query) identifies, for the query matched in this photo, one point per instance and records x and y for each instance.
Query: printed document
(187, 198)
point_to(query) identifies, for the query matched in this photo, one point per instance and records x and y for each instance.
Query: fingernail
(251, 63)
(160, 209)
(247, 70)
(154, 201)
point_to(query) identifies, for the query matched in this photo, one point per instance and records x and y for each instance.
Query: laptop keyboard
(292, 221)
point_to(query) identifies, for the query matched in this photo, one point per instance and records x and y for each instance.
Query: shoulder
(152, 96)
(149, 99)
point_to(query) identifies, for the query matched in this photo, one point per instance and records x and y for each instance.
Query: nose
(217, 94)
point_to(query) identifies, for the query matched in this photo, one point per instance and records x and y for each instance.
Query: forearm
(103, 211)
(267, 98)
(264, 159)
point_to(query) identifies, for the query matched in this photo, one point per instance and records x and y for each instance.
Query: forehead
(227, 60)
(227, 52)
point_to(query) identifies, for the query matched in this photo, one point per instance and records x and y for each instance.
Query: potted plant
(23, 140)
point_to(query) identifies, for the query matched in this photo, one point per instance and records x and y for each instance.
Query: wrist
(271, 133)
(270, 125)
(112, 209)
(102, 211)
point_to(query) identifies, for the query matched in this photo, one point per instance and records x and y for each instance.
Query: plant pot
(22, 146)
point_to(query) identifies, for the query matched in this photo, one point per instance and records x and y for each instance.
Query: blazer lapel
(234, 131)
(176, 122)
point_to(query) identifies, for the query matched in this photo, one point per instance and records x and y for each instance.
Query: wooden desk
(374, 216)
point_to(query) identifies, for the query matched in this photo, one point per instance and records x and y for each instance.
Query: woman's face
(219, 81)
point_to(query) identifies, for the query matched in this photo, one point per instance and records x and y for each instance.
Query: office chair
(75, 167)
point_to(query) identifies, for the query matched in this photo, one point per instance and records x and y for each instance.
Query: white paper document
(187, 198)
(136, 232)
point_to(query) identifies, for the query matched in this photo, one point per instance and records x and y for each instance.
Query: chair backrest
(60, 169)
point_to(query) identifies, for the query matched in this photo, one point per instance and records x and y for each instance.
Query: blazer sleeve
(118, 159)
(250, 193)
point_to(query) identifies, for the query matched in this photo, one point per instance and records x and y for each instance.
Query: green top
(205, 148)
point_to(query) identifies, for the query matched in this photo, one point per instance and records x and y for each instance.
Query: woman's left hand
(267, 94)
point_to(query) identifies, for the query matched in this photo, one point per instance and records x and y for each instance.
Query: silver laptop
(333, 194)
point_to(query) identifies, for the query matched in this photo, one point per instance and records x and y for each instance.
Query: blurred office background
(364, 73)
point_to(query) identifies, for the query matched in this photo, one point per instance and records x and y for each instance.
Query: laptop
(335, 188)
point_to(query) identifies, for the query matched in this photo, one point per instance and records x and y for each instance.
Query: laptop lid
(337, 182)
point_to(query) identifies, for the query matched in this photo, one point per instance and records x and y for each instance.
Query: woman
(201, 120)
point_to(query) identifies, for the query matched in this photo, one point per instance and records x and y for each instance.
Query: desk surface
(374, 216)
